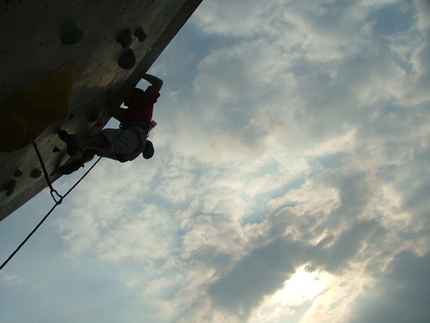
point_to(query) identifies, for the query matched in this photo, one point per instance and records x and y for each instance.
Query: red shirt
(140, 110)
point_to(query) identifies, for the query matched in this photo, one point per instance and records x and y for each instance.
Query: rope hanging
(57, 202)
(48, 181)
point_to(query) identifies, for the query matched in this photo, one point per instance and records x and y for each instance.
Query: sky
(290, 180)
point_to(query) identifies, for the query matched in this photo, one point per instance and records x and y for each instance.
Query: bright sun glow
(301, 287)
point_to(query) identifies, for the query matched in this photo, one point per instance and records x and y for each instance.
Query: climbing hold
(35, 173)
(35, 106)
(94, 115)
(139, 33)
(125, 38)
(17, 173)
(109, 103)
(127, 59)
(10, 187)
(56, 149)
(73, 37)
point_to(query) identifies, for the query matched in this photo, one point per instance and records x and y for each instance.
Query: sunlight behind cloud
(302, 287)
(291, 169)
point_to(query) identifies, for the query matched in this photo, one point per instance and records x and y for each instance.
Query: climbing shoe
(71, 142)
(94, 115)
(70, 167)
(149, 150)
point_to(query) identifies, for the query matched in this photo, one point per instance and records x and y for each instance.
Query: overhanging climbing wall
(40, 36)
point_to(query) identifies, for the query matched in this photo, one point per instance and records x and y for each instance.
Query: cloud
(334, 253)
(401, 293)
(422, 8)
(235, 82)
(301, 140)
(260, 273)
(221, 18)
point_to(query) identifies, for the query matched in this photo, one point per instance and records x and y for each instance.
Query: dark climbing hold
(56, 149)
(10, 187)
(127, 59)
(109, 103)
(35, 173)
(139, 33)
(94, 115)
(125, 38)
(17, 173)
(73, 37)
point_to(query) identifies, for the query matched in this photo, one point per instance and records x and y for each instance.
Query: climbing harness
(53, 191)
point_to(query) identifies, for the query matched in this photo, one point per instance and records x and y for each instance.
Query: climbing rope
(53, 191)
(48, 181)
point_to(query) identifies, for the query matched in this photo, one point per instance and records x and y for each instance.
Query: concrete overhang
(31, 46)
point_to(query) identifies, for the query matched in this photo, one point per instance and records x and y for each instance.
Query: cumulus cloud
(301, 144)
(401, 293)
(260, 273)
(422, 8)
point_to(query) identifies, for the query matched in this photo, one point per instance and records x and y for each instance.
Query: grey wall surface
(30, 46)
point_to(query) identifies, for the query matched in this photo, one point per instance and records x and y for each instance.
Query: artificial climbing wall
(38, 37)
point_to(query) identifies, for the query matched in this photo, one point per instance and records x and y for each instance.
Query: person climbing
(123, 144)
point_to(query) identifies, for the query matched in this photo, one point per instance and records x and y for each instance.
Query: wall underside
(31, 46)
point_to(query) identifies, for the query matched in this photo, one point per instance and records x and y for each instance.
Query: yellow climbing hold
(35, 106)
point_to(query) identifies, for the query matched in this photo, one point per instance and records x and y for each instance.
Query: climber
(127, 142)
